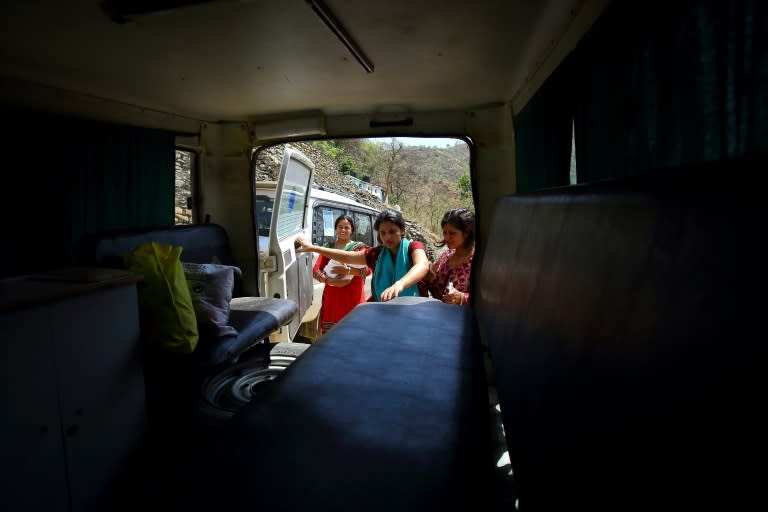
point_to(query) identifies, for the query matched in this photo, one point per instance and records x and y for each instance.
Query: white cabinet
(71, 390)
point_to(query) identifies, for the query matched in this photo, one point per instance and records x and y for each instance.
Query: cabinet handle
(72, 430)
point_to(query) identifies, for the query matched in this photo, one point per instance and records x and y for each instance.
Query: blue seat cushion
(254, 318)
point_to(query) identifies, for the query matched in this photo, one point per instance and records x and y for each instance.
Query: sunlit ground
(504, 476)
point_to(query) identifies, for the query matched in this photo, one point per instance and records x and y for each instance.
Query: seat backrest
(624, 324)
(201, 243)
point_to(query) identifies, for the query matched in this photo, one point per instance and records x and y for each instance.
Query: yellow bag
(168, 317)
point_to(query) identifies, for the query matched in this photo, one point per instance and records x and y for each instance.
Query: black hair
(393, 216)
(464, 220)
(389, 215)
(347, 217)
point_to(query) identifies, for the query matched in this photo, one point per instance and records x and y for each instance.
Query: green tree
(465, 186)
(331, 148)
(392, 151)
(345, 154)
(347, 165)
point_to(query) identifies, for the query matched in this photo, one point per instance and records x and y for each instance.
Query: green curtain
(652, 85)
(543, 134)
(671, 84)
(602, 121)
(127, 179)
(66, 178)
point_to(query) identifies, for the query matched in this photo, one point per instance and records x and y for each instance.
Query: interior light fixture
(303, 126)
(325, 14)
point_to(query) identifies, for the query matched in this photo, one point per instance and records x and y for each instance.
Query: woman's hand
(453, 297)
(392, 292)
(432, 274)
(341, 270)
(346, 270)
(337, 283)
(301, 245)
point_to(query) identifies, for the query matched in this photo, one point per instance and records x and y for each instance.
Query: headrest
(201, 243)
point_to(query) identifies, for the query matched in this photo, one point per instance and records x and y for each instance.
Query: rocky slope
(327, 177)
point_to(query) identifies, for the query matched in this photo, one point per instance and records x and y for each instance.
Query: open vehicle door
(283, 272)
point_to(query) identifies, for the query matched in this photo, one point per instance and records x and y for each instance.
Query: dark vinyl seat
(387, 411)
(625, 325)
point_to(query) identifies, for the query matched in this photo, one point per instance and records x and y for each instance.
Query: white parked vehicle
(282, 271)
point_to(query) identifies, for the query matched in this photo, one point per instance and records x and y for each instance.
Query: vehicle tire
(225, 393)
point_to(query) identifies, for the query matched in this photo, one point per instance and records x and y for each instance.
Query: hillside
(424, 181)
(439, 164)
(328, 177)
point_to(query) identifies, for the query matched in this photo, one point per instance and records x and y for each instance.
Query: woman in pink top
(449, 277)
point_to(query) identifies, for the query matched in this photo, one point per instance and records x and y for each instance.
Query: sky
(421, 141)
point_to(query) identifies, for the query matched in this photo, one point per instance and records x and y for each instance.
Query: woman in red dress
(342, 292)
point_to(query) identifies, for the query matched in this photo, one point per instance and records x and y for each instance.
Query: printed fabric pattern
(459, 276)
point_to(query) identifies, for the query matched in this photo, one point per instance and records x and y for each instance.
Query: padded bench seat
(387, 411)
(625, 325)
(253, 317)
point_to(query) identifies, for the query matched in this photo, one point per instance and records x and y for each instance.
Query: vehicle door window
(363, 228)
(323, 230)
(292, 200)
(263, 214)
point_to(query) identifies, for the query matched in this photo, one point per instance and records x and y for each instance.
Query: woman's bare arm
(416, 273)
(351, 257)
